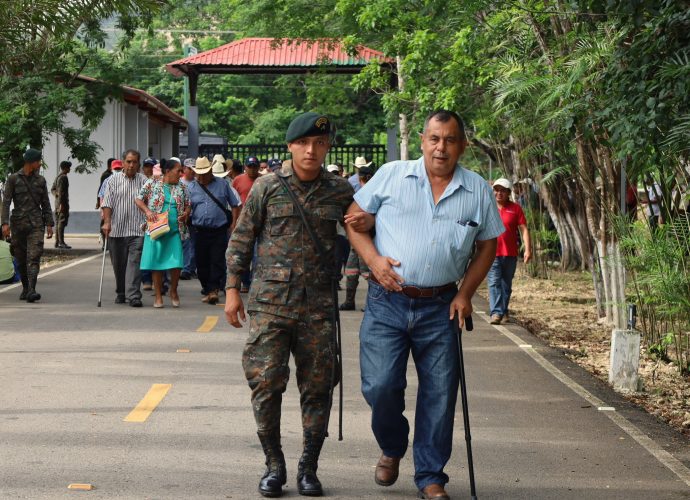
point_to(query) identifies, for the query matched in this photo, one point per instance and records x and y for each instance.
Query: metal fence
(344, 155)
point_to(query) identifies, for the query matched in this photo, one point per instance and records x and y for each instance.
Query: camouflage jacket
(26, 207)
(287, 264)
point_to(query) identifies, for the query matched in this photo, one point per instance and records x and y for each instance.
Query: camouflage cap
(308, 125)
(31, 155)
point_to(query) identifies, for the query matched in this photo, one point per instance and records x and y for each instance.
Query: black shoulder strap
(227, 212)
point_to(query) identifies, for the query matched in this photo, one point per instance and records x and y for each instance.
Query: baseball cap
(503, 182)
(274, 163)
(150, 161)
(332, 168)
(252, 161)
(116, 165)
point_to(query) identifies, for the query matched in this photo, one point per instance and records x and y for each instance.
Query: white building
(139, 121)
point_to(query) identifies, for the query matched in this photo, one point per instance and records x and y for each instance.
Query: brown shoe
(496, 319)
(386, 472)
(433, 492)
(213, 297)
(204, 299)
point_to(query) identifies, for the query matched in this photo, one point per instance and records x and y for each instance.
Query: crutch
(100, 287)
(463, 396)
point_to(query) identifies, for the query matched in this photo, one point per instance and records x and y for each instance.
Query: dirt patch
(562, 312)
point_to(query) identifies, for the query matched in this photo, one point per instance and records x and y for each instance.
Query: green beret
(31, 155)
(308, 125)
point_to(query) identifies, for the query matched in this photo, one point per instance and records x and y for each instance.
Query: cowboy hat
(360, 161)
(202, 165)
(218, 169)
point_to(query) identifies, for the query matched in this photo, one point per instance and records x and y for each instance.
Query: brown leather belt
(415, 292)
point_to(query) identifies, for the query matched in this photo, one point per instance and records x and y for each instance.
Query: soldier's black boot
(271, 484)
(25, 288)
(307, 482)
(350, 291)
(32, 295)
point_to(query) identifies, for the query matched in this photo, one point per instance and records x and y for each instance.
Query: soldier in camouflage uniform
(31, 216)
(60, 190)
(290, 302)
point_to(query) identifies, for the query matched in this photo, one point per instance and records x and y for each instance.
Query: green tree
(48, 43)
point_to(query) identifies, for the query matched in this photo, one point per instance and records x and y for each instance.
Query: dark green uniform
(290, 301)
(61, 192)
(30, 215)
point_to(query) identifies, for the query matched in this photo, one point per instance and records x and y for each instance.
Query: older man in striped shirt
(123, 227)
(429, 215)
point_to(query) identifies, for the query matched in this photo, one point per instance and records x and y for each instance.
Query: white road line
(663, 456)
(53, 271)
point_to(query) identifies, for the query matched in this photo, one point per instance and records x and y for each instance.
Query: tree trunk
(404, 128)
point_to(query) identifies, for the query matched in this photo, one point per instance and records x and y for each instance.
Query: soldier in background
(30, 217)
(290, 302)
(60, 190)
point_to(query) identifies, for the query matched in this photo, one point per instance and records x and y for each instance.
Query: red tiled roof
(274, 55)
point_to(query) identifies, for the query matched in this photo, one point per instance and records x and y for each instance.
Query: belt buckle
(413, 292)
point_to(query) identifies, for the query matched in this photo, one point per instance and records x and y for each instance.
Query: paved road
(73, 372)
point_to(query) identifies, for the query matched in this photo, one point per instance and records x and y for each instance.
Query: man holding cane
(429, 213)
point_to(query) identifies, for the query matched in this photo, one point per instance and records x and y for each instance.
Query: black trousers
(209, 250)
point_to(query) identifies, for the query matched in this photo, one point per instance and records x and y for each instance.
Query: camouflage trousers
(61, 221)
(265, 362)
(355, 268)
(27, 248)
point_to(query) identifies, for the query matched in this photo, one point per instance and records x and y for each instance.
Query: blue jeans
(394, 325)
(500, 280)
(188, 251)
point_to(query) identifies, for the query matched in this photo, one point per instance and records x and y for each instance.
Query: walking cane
(463, 396)
(100, 287)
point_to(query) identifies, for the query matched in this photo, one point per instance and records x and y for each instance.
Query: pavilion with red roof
(270, 56)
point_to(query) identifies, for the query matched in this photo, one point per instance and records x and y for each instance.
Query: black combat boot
(25, 288)
(350, 291)
(32, 295)
(307, 482)
(275, 476)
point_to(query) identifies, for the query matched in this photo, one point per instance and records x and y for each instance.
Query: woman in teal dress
(159, 195)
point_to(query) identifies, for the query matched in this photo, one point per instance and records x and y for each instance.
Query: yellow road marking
(146, 406)
(80, 486)
(184, 350)
(208, 324)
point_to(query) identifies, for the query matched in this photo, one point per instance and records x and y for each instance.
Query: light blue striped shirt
(433, 242)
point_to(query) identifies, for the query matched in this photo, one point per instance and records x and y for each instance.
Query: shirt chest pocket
(274, 286)
(464, 236)
(328, 217)
(282, 219)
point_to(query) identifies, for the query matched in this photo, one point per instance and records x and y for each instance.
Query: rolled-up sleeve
(371, 195)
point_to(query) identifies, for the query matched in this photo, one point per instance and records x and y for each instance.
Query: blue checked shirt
(433, 242)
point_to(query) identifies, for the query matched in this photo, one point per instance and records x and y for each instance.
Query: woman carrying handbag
(164, 199)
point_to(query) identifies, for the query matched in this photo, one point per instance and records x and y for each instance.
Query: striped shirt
(433, 242)
(120, 192)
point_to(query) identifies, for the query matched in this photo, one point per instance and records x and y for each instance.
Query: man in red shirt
(500, 277)
(243, 183)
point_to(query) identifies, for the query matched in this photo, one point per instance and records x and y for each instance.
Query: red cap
(116, 165)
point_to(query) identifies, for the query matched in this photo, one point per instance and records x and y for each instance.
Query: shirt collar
(416, 169)
(288, 173)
